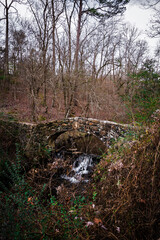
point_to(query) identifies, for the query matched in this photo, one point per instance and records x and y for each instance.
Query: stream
(82, 168)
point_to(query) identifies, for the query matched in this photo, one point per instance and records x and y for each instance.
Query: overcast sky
(140, 17)
(136, 15)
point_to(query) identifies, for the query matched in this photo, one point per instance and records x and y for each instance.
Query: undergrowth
(25, 214)
(127, 186)
(121, 201)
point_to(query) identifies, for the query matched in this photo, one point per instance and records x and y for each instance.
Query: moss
(41, 118)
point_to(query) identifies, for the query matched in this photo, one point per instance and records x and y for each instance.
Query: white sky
(140, 17)
(135, 14)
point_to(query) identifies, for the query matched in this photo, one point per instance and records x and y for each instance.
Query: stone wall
(105, 130)
(34, 138)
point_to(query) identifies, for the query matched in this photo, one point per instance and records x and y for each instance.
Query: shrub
(128, 189)
(142, 96)
(25, 214)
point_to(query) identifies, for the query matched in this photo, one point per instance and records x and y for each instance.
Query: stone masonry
(35, 137)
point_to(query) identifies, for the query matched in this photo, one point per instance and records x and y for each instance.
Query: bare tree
(8, 6)
(42, 31)
(157, 57)
(33, 73)
(154, 30)
(100, 10)
(57, 8)
(18, 42)
(155, 23)
(132, 53)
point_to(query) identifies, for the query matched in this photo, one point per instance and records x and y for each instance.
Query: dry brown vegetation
(63, 62)
(104, 103)
(127, 186)
(121, 201)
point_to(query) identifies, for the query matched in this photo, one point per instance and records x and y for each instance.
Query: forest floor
(17, 103)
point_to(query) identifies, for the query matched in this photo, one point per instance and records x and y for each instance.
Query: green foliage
(113, 197)
(9, 171)
(94, 195)
(107, 9)
(17, 211)
(68, 218)
(41, 118)
(2, 75)
(125, 142)
(143, 98)
(8, 116)
(25, 214)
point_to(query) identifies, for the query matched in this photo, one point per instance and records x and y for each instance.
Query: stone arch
(75, 140)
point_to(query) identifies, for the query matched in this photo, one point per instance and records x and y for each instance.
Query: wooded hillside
(74, 58)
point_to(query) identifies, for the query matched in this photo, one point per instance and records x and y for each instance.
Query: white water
(81, 168)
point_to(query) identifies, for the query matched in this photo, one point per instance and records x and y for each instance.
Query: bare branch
(2, 4)
(2, 19)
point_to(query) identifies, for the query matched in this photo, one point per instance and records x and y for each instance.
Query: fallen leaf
(97, 221)
(30, 200)
(142, 201)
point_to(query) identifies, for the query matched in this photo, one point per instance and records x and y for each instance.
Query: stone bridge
(102, 129)
(35, 137)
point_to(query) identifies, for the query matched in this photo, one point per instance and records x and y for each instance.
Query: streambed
(82, 168)
(64, 170)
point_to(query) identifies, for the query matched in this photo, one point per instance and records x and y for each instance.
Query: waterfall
(81, 169)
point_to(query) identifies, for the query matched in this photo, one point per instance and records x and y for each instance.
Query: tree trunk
(45, 81)
(54, 53)
(77, 52)
(53, 38)
(6, 43)
(78, 34)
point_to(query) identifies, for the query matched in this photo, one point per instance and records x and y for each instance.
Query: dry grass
(127, 183)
